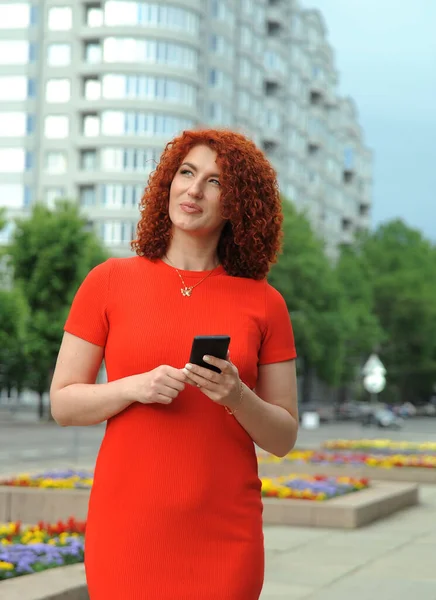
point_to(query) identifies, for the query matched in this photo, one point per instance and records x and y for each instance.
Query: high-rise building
(91, 90)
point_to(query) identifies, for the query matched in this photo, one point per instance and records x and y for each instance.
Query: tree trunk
(307, 385)
(40, 405)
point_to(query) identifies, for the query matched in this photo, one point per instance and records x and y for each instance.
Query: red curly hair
(250, 199)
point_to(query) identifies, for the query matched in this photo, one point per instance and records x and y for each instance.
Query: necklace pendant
(186, 291)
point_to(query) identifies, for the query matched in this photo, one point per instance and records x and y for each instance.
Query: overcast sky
(386, 56)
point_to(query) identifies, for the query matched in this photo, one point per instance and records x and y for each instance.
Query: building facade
(91, 91)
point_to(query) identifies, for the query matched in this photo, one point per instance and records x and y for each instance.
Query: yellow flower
(6, 566)
(5, 542)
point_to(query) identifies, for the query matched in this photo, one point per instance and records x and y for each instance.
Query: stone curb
(61, 583)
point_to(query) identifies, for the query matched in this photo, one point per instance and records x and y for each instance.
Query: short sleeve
(278, 342)
(87, 318)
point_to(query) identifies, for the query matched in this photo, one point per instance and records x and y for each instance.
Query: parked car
(383, 418)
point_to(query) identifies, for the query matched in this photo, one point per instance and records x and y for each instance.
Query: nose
(195, 190)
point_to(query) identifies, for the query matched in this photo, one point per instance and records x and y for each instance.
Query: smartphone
(212, 345)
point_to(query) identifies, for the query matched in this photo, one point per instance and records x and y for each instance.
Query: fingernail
(185, 371)
(206, 358)
(188, 366)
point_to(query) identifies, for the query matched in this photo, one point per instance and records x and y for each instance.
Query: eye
(215, 181)
(185, 172)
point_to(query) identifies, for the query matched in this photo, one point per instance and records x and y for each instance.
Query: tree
(403, 273)
(314, 296)
(362, 332)
(13, 324)
(50, 255)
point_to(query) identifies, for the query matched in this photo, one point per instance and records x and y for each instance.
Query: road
(26, 445)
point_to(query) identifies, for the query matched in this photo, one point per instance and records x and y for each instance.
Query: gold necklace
(186, 290)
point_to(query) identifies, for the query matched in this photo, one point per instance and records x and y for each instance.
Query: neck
(191, 254)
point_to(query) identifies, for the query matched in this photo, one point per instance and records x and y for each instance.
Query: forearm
(271, 427)
(89, 403)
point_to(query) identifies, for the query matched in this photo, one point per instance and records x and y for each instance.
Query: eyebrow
(188, 164)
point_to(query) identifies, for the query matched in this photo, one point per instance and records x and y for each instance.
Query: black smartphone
(211, 345)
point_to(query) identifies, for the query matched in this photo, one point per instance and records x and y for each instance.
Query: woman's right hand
(161, 385)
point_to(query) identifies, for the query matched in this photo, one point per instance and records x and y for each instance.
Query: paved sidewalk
(393, 559)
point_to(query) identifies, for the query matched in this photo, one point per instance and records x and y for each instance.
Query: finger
(175, 384)
(223, 365)
(176, 374)
(202, 372)
(199, 381)
(162, 399)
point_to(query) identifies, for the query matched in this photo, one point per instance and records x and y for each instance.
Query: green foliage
(362, 330)
(50, 255)
(313, 295)
(403, 274)
(13, 323)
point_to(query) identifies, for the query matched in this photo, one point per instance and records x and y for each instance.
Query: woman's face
(195, 192)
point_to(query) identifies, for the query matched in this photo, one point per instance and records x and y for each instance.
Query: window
(56, 127)
(139, 123)
(88, 160)
(12, 195)
(53, 194)
(115, 233)
(14, 52)
(58, 90)
(13, 87)
(94, 17)
(118, 196)
(118, 13)
(92, 90)
(7, 233)
(14, 15)
(154, 88)
(87, 195)
(93, 53)
(142, 160)
(59, 55)
(13, 124)
(55, 162)
(60, 18)
(221, 46)
(91, 125)
(129, 50)
(12, 160)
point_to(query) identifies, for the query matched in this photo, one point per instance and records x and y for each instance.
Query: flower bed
(343, 457)
(311, 487)
(68, 479)
(383, 446)
(25, 550)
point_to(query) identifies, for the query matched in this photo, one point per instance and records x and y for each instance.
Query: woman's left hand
(223, 388)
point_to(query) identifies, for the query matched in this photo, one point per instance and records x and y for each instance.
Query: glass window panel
(58, 90)
(60, 18)
(12, 160)
(59, 55)
(55, 162)
(12, 195)
(13, 124)
(13, 87)
(91, 126)
(56, 127)
(14, 52)
(92, 89)
(14, 15)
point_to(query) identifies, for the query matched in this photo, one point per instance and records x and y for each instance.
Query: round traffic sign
(374, 382)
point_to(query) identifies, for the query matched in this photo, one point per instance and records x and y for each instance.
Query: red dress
(175, 510)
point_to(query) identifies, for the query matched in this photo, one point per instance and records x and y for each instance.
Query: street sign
(374, 383)
(374, 365)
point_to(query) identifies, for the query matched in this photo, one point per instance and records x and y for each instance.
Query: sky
(386, 58)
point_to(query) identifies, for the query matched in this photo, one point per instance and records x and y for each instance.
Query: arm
(270, 414)
(75, 398)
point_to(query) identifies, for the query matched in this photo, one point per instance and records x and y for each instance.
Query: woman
(175, 511)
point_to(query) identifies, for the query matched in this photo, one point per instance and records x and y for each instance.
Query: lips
(191, 207)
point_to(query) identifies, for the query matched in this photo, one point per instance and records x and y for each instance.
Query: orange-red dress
(175, 511)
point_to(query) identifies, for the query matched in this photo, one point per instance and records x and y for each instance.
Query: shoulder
(117, 267)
